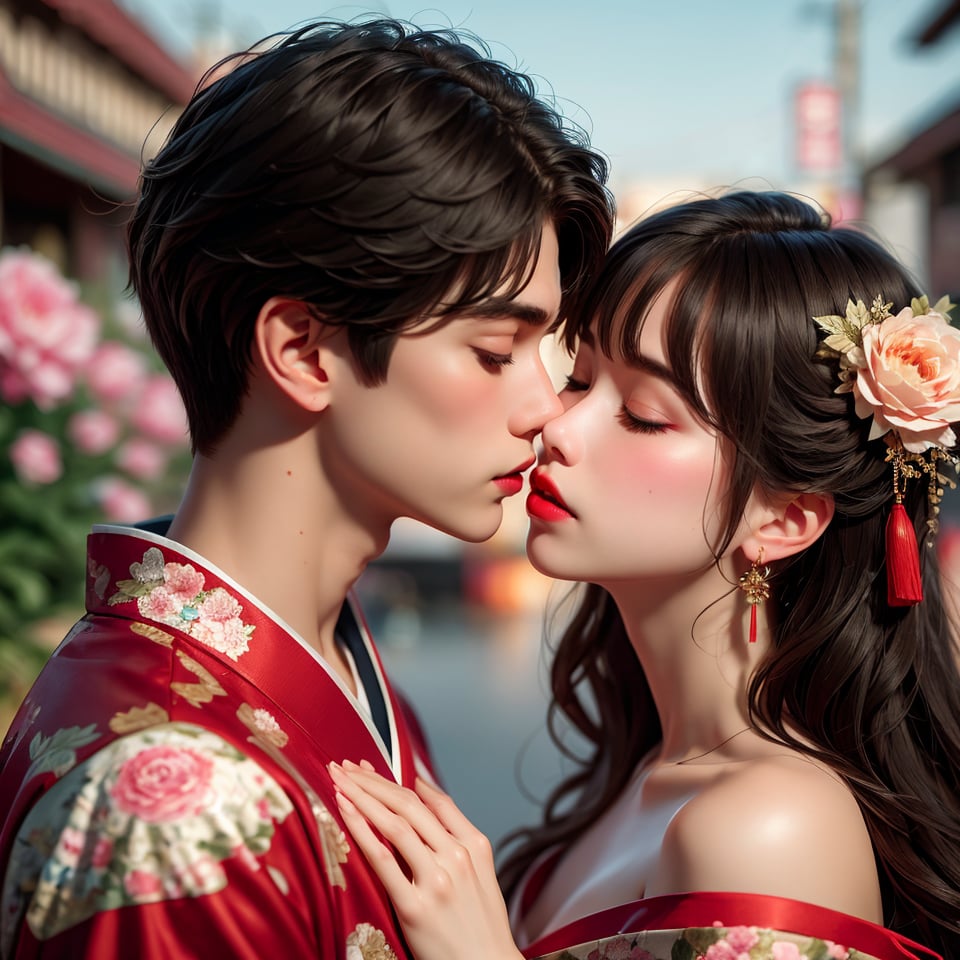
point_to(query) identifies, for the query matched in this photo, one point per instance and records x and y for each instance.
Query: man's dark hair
(379, 173)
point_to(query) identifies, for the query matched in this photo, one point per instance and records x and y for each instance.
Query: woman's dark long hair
(871, 690)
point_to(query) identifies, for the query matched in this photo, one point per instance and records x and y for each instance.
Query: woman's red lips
(544, 501)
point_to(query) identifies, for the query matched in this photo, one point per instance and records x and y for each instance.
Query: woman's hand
(444, 887)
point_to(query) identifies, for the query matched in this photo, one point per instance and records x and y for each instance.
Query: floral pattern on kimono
(175, 594)
(709, 943)
(150, 817)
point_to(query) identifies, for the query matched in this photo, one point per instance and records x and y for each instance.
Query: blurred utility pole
(828, 111)
(846, 69)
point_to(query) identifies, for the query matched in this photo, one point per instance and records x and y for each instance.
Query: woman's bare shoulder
(780, 824)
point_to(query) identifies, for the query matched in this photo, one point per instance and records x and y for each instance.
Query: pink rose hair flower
(903, 370)
(904, 374)
(36, 458)
(46, 334)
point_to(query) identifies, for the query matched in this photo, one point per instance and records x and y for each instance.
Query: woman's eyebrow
(655, 368)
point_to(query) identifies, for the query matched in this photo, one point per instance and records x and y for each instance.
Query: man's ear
(293, 348)
(792, 524)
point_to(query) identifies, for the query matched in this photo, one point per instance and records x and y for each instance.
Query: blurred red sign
(819, 140)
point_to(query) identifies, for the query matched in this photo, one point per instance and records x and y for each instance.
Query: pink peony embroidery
(721, 950)
(220, 606)
(142, 886)
(173, 593)
(182, 581)
(46, 334)
(160, 604)
(781, 950)
(36, 458)
(742, 938)
(229, 636)
(164, 783)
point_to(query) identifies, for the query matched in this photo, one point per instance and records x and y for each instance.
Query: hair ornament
(904, 372)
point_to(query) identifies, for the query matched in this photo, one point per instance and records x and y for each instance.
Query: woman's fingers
(449, 905)
(380, 857)
(396, 807)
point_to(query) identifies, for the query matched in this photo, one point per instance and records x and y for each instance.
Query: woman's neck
(692, 642)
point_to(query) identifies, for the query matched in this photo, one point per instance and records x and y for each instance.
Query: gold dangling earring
(754, 584)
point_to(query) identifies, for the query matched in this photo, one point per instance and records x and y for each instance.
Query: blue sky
(685, 88)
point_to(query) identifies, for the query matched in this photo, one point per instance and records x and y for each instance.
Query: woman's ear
(792, 524)
(293, 348)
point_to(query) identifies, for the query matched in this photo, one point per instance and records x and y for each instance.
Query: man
(347, 253)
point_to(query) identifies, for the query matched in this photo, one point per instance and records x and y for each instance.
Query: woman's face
(637, 473)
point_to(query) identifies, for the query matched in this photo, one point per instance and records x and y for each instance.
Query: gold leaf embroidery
(153, 633)
(138, 718)
(197, 693)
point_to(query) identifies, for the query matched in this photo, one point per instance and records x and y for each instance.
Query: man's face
(445, 437)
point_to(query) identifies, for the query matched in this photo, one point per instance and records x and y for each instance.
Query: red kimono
(164, 788)
(710, 926)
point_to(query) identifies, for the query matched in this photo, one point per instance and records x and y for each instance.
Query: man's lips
(512, 482)
(544, 501)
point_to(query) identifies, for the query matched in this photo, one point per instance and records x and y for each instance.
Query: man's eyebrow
(496, 308)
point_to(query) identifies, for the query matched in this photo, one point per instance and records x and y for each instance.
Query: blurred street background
(853, 103)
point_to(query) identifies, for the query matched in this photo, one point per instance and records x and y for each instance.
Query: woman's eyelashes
(636, 424)
(574, 385)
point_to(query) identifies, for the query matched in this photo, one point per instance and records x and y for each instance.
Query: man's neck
(277, 530)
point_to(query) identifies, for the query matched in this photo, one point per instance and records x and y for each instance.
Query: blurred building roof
(84, 86)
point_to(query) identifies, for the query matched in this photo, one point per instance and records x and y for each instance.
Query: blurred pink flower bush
(122, 502)
(159, 411)
(36, 458)
(46, 334)
(116, 372)
(91, 430)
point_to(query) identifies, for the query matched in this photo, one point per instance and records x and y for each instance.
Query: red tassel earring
(904, 587)
(754, 584)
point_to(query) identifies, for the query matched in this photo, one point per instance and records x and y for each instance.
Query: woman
(755, 433)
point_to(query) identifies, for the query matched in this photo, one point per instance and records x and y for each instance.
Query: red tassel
(903, 560)
(753, 622)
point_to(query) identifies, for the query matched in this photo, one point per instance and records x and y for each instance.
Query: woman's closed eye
(637, 424)
(574, 385)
